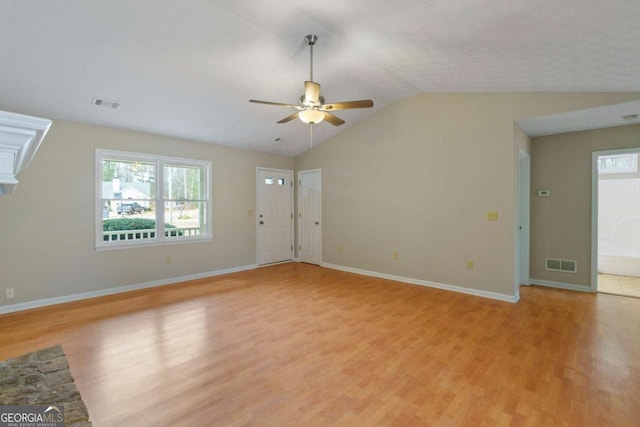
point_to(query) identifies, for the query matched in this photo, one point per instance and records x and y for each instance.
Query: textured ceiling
(188, 68)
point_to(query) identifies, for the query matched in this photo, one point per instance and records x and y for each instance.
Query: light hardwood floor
(299, 345)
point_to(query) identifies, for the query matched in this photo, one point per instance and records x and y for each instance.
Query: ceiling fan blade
(289, 118)
(311, 92)
(278, 104)
(364, 103)
(334, 120)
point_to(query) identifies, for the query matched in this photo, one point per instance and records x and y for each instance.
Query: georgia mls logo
(53, 408)
(31, 416)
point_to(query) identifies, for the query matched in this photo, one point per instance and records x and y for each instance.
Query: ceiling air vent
(107, 103)
(568, 266)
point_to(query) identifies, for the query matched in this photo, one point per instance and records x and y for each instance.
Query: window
(270, 181)
(144, 200)
(618, 163)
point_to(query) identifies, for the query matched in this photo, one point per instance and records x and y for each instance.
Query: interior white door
(310, 216)
(275, 216)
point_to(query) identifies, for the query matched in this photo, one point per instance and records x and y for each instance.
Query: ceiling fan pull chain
(311, 137)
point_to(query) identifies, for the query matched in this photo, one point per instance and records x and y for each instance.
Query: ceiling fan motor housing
(309, 103)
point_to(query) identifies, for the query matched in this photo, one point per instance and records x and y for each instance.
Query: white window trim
(159, 239)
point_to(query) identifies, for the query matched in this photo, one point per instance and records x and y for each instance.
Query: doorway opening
(617, 222)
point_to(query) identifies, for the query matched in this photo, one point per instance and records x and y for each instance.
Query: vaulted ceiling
(188, 68)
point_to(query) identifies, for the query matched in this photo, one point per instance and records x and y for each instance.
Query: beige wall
(47, 226)
(419, 178)
(561, 224)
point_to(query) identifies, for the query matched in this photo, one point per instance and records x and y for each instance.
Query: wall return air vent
(565, 265)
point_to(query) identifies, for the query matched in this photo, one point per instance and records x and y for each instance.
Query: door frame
(299, 200)
(257, 217)
(523, 219)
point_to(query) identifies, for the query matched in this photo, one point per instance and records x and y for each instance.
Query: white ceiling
(188, 68)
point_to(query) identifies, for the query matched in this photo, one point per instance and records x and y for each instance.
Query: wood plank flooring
(299, 345)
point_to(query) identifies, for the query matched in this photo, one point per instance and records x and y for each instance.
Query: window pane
(186, 218)
(128, 180)
(128, 192)
(618, 163)
(128, 226)
(183, 182)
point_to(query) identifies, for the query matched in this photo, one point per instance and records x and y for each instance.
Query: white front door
(310, 216)
(275, 216)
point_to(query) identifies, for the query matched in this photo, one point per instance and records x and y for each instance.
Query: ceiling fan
(311, 107)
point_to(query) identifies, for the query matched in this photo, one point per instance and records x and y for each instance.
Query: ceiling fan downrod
(311, 40)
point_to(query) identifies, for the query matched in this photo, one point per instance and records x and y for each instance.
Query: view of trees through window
(133, 210)
(618, 163)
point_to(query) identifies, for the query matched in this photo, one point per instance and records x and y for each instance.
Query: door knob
(317, 223)
(261, 222)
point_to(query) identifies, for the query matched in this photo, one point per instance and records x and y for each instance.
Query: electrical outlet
(395, 255)
(341, 248)
(10, 293)
(470, 264)
(492, 215)
(167, 260)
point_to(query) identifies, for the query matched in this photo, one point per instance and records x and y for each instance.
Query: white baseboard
(560, 285)
(453, 288)
(120, 289)
(271, 264)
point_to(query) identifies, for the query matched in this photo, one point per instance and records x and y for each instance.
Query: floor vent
(568, 266)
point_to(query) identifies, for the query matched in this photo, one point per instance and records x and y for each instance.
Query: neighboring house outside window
(143, 199)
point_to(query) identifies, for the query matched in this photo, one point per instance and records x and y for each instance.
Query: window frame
(159, 161)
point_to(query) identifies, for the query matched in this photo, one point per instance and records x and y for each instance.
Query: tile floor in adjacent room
(619, 285)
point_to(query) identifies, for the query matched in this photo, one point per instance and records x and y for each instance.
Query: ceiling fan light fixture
(311, 116)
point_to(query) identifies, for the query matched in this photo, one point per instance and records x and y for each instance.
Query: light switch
(492, 216)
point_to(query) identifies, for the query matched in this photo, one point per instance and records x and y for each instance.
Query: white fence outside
(121, 235)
